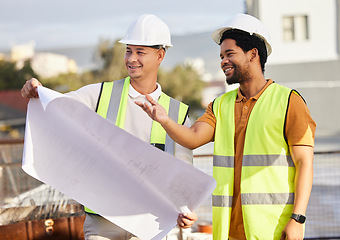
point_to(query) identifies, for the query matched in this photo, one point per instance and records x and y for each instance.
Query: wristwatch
(298, 217)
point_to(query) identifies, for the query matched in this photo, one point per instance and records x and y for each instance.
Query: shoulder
(208, 116)
(88, 89)
(226, 98)
(88, 94)
(278, 89)
(297, 103)
(300, 126)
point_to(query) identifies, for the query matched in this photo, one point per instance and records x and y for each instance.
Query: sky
(70, 23)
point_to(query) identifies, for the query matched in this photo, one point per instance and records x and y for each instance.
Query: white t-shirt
(137, 122)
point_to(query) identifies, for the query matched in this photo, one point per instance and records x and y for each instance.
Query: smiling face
(234, 62)
(142, 62)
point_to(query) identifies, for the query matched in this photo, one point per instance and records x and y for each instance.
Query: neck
(252, 87)
(144, 87)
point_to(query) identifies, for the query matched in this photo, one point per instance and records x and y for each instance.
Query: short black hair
(247, 42)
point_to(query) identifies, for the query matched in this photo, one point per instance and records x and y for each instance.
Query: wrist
(165, 122)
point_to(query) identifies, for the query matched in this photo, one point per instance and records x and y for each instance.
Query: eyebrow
(229, 50)
(139, 48)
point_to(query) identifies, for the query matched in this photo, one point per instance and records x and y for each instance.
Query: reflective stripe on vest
(254, 198)
(112, 105)
(267, 178)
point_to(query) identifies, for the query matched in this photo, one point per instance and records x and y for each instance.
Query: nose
(224, 61)
(131, 57)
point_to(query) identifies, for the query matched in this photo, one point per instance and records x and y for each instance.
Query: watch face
(301, 218)
(298, 217)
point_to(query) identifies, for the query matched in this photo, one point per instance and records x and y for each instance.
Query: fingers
(190, 216)
(186, 220)
(140, 104)
(154, 110)
(146, 107)
(184, 223)
(150, 99)
(29, 90)
(283, 236)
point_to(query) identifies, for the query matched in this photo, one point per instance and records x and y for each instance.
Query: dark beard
(232, 80)
(240, 75)
(235, 78)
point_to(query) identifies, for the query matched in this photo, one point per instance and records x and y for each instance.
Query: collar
(155, 94)
(240, 96)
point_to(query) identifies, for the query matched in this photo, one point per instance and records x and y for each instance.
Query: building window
(295, 28)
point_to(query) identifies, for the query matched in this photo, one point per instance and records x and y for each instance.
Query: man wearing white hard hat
(146, 42)
(263, 142)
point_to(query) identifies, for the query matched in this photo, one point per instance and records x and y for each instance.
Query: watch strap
(298, 217)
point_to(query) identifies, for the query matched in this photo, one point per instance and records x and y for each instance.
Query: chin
(135, 76)
(231, 81)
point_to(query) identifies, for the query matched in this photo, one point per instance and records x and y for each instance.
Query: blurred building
(302, 31)
(306, 44)
(45, 64)
(51, 64)
(22, 51)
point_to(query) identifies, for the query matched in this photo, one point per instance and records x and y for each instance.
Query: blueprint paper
(129, 182)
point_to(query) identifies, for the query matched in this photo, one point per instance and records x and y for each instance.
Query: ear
(160, 55)
(254, 54)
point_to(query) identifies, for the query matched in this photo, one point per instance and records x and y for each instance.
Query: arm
(29, 90)
(303, 160)
(181, 152)
(197, 135)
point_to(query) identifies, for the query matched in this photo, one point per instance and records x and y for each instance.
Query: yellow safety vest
(267, 177)
(112, 104)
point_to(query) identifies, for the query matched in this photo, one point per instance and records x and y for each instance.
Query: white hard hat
(248, 24)
(148, 30)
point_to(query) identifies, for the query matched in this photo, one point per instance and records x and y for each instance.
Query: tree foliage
(13, 78)
(184, 84)
(111, 56)
(71, 81)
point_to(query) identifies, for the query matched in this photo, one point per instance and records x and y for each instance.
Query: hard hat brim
(217, 35)
(127, 42)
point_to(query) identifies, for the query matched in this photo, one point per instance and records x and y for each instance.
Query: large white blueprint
(131, 183)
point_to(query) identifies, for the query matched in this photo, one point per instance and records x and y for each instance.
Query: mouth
(227, 70)
(134, 67)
